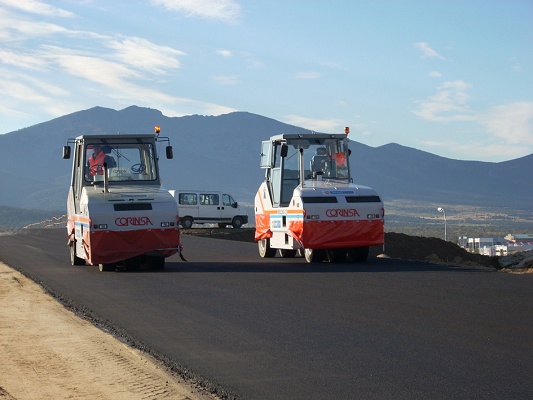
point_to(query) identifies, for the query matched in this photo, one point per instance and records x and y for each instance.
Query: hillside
(17, 218)
(222, 153)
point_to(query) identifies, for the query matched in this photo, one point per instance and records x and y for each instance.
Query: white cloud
(318, 125)
(226, 79)
(489, 150)
(12, 112)
(15, 28)
(21, 60)
(476, 150)
(43, 86)
(334, 65)
(427, 51)
(145, 55)
(434, 74)
(308, 75)
(511, 122)
(508, 132)
(448, 104)
(37, 7)
(94, 69)
(211, 108)
(117, 82)
(225, 53)
(20, 91)
(190, 106)
(223, 10)
(514, 62)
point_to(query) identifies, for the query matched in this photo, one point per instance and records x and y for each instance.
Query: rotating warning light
(347, 130)
(157, 129)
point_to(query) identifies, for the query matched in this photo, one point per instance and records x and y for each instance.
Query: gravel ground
(48, 352)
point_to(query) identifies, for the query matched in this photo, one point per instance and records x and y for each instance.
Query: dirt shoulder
(47, 352)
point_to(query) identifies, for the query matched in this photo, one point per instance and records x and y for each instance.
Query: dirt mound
(397, 245)
(405, 247)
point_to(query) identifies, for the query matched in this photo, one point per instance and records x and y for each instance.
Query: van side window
(227, 200)
(188, 199)
(209, 199)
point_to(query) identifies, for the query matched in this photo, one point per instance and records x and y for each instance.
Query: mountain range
(222, 153)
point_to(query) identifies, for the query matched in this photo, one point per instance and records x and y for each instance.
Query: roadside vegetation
(18, 218)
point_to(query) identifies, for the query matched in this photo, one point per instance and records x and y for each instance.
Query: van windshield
(125, 162)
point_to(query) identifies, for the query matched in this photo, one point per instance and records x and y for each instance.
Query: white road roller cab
(308, 204)
(118, 213)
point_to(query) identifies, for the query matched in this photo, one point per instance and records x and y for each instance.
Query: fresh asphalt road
(285, 329)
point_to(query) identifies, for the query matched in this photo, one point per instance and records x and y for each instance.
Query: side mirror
(66, 152)
(284, 150)
(235, 205)
(170, 154)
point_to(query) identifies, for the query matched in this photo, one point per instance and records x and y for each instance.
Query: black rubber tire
(336, 255)
(74, 259)
(313, 256)
(265, 250)
(107, 267)
(156, 263)
(186, 222)
(286, 253)
(132, 264)
(237, 222)
(358, 254)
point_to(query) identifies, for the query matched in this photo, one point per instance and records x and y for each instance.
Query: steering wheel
(138, 168)
(96, 169)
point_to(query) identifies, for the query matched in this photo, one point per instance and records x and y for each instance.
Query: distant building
(519, 237)
(519, 242)
(486, 245)
(497, 246)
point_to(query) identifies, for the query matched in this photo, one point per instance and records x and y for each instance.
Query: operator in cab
(95, 162)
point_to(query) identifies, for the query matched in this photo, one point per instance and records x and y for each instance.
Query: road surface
(281, 328)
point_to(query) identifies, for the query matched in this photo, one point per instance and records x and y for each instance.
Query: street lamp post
(440, 209)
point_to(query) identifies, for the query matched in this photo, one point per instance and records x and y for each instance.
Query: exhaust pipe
(106, 178)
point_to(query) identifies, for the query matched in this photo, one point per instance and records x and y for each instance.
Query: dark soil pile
(405, 247)
(397, 245)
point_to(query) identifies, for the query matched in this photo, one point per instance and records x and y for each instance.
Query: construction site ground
(48, 352)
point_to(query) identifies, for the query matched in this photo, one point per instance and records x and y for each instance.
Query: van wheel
(74, 259)
(286, 253)
(237, 222)
(265, 250)
(358, 254)
(106, 267)
(186, 223)
(313, 256)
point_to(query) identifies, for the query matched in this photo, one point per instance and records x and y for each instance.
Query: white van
(208, 207)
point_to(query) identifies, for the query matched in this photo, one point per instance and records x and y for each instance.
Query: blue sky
(451, 77)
